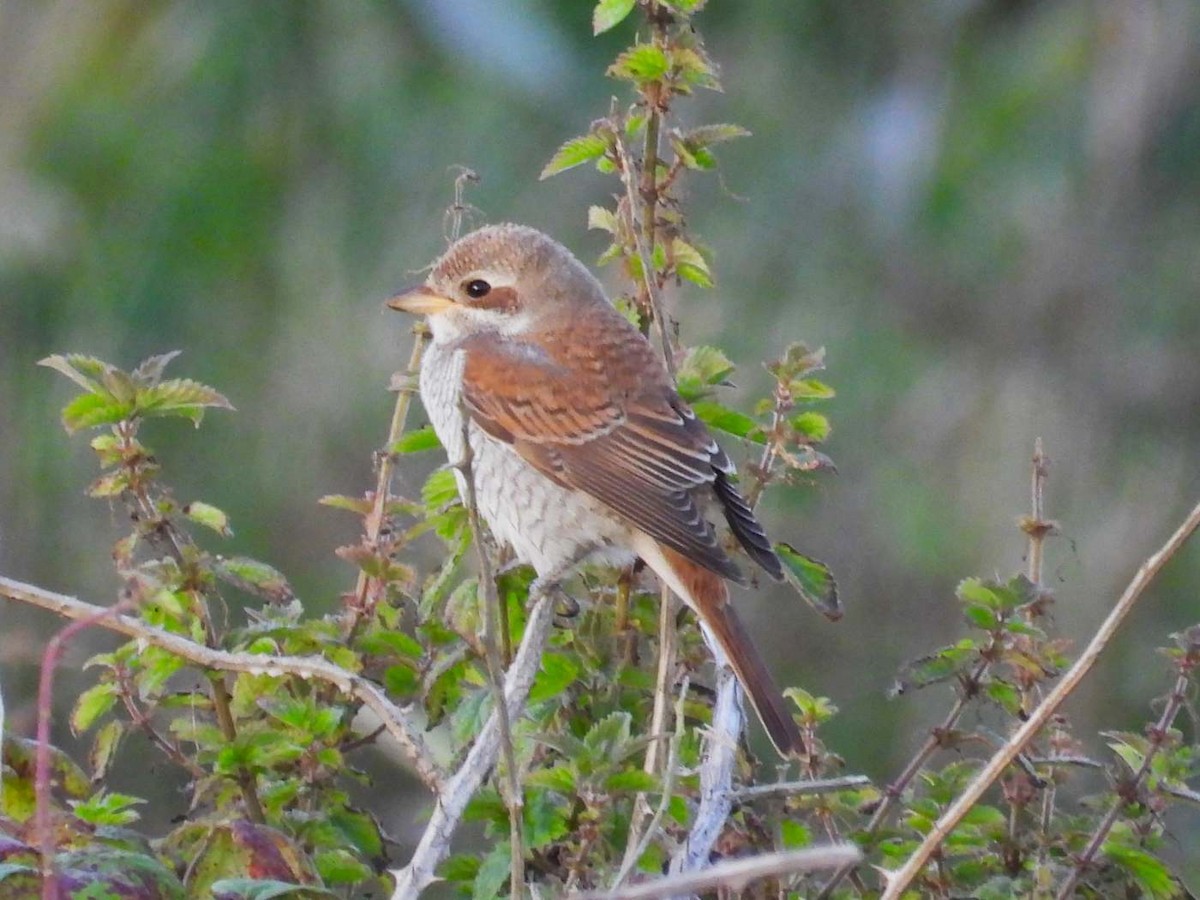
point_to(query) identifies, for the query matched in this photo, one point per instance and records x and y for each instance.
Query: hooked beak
(421, 301)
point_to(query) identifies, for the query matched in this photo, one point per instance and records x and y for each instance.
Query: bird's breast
(547, 526)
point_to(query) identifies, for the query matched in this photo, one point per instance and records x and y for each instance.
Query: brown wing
(590, 406)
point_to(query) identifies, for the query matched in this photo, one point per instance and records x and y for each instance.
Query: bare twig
(397, 723)
(491, 642)
(460, 787)
(647, 289)
(811, 788)
(735, 874)
(901, 878)
(1159, 737)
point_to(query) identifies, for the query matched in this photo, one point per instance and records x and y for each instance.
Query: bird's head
(501, 278)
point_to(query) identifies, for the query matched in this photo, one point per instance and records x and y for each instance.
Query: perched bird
(581, 447)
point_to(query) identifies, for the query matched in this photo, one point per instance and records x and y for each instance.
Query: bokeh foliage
(986, 212)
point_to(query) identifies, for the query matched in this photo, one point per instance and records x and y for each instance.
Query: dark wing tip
(746, 527)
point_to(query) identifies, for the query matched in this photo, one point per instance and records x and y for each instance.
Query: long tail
(707, 594)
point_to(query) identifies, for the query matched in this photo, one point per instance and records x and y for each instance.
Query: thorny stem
(368, 588)
(901, 878)
(1158, 735)
(896, 789)
(491, 603)
(161, 530)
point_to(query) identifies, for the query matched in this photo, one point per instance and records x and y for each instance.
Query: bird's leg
(626, 636)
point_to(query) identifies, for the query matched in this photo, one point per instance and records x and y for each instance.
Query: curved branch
(391, 716)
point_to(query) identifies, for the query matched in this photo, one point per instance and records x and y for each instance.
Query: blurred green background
(987, 212)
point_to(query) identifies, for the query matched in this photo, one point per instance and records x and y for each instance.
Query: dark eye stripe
(502, 299)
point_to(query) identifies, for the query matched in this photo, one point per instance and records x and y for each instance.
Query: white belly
(547, 526)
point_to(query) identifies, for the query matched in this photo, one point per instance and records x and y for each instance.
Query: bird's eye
(477, 288)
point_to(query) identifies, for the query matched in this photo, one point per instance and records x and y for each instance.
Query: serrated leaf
(181, 397)
(209, 516)
(610, 13)
(560, 779)
(493, 872)
(695, 69)
(602, 219)
(690, 264)
(104, 748)
(1006, 695)
(575, 152)
(702, 368)
(728, 420)
(1150, 872)
(554, 676)
(812, 425)
(90, 410)
(91, 705)
(150, 370)
(810, 389)
(812, 579)
(417, 441)
(440, 489)
(255, 577)
(706, 135)
(641, 63)
(86, 371)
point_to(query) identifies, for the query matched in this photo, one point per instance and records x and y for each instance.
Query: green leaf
(107, 809)
(702, 368)
(810, 389)
(91, 705)
(104, 748)
(602, 219)
(575, 152)
(728, 420)
(180, 397)
(493, 872)
(555, 675)
(812, 425)
(150, 370)
(417, 441)
(690, 264)
(560, 779)
(794, 835)
(339, 866)
(1150, 872)
(610, 13)
(812, 580)
(86, 371)
(255, 577)
(641, 63)
(209, 516)
(90, 410)
(1006, 696)
(400, 680)
(631, 780)
(440, 489)
(706, 135)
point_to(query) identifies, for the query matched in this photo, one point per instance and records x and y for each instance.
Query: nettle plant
(588, 736)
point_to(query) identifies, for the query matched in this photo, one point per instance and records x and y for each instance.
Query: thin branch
(635, 849)
(901, 878)
(368, 587)
(491, 602)
(462, 785)
(397, 723)
(41, 782)
(734, 875)
(1158, 739)
(811, 788)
